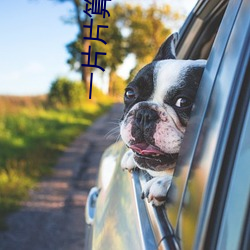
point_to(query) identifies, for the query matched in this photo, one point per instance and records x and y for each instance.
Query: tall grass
(32, 135)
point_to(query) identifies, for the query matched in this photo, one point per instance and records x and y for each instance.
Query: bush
(65, 92)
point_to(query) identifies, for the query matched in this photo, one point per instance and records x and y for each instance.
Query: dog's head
(158, 102)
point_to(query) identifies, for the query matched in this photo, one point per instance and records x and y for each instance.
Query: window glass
(236, 206)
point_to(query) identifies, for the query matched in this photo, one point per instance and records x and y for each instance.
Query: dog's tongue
(145, 149)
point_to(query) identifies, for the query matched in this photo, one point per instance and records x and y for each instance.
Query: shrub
(65, 92)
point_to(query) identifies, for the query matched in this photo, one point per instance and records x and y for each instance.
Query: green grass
(31, 139)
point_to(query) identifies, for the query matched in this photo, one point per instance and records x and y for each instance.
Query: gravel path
(53, 218)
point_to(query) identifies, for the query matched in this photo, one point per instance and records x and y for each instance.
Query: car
(208, 203)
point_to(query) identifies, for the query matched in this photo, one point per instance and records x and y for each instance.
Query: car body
(209, 198)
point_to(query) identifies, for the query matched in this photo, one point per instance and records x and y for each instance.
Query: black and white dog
(158, 103)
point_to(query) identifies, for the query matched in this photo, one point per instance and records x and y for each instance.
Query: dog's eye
(183, 102)
(130, 94)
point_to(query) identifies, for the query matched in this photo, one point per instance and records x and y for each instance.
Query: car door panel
(120, 220)
(211, 131)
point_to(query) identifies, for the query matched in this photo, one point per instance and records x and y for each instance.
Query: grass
(31, 138)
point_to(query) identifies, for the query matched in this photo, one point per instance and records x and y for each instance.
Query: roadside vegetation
(34, 131)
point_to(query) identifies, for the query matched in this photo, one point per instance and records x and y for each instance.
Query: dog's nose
(145, 117)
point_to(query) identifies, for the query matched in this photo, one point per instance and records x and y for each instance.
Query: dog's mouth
(152, 154)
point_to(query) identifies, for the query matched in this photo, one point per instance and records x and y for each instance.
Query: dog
(158, 102)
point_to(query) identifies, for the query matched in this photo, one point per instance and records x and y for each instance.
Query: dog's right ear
(167, 49)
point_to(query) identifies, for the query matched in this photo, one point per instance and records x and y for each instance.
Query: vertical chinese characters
(96, 7)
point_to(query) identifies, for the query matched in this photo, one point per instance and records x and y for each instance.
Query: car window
(208, 130)
(198, 33)
(193, 129)
(235, 212)
(165, 224)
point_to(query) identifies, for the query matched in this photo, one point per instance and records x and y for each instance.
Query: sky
(32, 44)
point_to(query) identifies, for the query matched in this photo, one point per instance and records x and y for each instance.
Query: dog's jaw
(155, 147)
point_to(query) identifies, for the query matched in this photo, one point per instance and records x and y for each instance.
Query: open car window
(211, 34)
(203, 22)
(195, 42)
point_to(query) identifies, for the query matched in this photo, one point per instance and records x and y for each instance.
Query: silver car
(208, 203)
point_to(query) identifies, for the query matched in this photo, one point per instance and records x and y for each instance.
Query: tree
(116, 44)
(118, 85)
(80, 19)
(147, 33)
(132, 29)
(115, 48)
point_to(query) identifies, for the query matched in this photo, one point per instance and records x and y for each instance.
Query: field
(32, 135)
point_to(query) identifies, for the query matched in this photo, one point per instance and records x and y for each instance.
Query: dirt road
(53, 218)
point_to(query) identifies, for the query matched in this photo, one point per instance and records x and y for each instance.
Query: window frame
(195, 139)
(161, 225)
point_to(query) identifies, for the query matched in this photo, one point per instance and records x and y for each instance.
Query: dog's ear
(167, 49)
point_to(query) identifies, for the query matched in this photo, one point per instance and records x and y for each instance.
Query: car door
(209, 179)
(121, 218)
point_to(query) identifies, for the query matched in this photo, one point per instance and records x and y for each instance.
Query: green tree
(118, 85)
(132, 29)
(148, 32)
(146, 29)
(80, 19)
(115, 48)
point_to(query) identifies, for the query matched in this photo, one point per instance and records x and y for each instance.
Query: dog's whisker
(112, 132)
(118, 138)
(113, 129)
(116, 121)
(116, 129)
(111, 136)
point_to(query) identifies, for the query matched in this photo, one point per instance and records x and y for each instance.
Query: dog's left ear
(167, 49)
